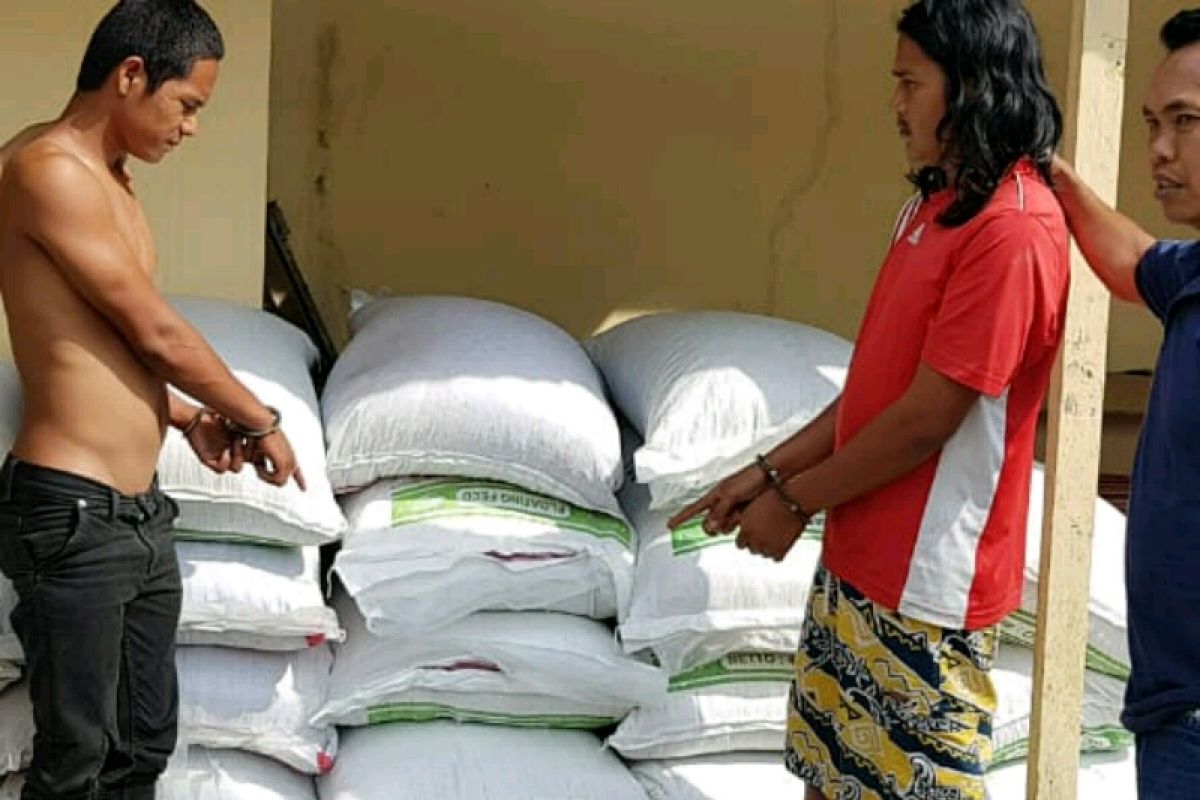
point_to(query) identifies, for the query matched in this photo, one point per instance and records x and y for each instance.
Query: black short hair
(1181, 30)
(169, 35)
(999, 107)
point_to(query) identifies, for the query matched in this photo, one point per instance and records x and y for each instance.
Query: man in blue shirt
(1162, 704)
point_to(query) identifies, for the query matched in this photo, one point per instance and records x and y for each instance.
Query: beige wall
(207, 202)
(1136, 325)
(589, 160)
(592, 159)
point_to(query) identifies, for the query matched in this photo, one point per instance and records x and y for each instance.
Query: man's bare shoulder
(46, 176)
(14, 145)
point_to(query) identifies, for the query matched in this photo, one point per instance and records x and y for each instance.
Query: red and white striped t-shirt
(984, 305)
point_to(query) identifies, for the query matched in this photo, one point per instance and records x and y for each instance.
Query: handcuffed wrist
(256, 433)
(775, 478)
(195, 421)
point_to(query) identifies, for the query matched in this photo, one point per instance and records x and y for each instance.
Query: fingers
(272, 459)
(223, 461)
(720, 517)
(264, 472)
(766, 549)
(267, 472)
(691, 511)
(237, 455)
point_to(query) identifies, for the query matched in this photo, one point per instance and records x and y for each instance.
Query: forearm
(183, 359)
(889, 447)
(810, 446)
(180, 412)
(1111, 242)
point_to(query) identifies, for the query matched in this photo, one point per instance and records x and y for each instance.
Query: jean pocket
(48, 531)
(14, 561)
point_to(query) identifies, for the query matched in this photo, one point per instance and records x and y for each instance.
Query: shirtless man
(84, 529)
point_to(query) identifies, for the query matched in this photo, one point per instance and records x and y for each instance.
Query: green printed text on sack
(439, 499)
(691, 537)
(736, 668)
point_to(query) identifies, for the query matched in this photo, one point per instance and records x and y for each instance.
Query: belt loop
(114, 504)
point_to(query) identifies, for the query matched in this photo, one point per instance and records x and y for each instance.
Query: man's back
(92, 407)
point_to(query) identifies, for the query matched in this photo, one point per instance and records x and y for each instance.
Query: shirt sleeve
(1164, 271)
(980, 334)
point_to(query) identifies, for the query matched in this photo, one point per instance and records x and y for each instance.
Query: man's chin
(151, 156)
(1181, 213)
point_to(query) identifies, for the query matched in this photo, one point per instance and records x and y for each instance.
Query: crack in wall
(787, 211)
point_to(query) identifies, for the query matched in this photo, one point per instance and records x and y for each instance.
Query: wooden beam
(1093, 110)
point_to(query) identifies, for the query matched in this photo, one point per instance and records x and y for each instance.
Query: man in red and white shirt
(978, 307)
(923, 463)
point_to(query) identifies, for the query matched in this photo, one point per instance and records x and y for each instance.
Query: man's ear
(131, 74)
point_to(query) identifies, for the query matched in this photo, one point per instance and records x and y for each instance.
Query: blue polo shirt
(1162, 547)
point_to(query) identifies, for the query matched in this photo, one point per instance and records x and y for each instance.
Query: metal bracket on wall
(286, 293)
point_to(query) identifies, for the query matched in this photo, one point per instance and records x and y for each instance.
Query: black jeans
(99, 599)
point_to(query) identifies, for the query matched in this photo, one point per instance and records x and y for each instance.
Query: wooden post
(1093, 110)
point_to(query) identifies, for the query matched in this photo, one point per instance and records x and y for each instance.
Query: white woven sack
(217, 775)
(256, 703)
(470, 388)
(709, 389)
(261, 598)
(1108, 636)
(511, 668)
(475, 762)
(1101, 775)
(260, 702)
(10, 404)
(1012, 675)
(422, 553)
(10, 420)
(738, 703)
(729, 776)
(10, 673)
(726, 777)
(741, 704)
(16, 728)
(697, 598)
(233, 775)
(10, 648)
(272, 357)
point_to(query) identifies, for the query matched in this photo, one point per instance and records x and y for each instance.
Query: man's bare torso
(91, 406)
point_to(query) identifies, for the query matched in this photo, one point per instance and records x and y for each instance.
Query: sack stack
(485, 558)
(254, 657)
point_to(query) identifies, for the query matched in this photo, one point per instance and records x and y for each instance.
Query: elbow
(923, 444)
(927, 434)
(160, 348)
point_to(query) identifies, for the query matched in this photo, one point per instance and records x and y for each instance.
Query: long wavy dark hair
(999, 107)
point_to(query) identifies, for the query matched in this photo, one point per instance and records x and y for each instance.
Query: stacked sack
(725, 777)
(254, 659)
(484, 556)
(10, 649)
(707, 391)
(1107, 656)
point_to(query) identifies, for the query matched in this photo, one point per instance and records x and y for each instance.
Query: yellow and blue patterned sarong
(884, 707)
